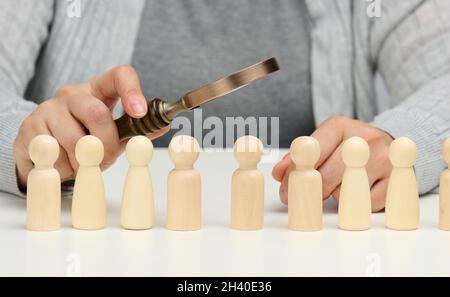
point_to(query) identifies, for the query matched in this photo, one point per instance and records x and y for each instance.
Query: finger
(379, 166)
(98, 120)
(283, 192)
(336, 193)
(376, 170)
(378, 194)
(332, 172)
(63, 165)
(330, 135)
(68, 131)
(279, 169)
(123, 82)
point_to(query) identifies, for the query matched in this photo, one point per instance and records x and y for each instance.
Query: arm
(410, 44)
(23, 30)
(72, 112)
(413, 56)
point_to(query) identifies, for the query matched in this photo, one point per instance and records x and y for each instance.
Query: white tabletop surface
(216, 250)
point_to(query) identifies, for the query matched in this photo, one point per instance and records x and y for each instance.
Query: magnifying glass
(161, 113)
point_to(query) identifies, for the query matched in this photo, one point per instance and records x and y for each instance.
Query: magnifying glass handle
(154, 120)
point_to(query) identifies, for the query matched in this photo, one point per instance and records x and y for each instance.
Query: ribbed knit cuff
(425, 130)
(9, 125)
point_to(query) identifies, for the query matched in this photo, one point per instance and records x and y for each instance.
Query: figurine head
(43, 151)
(248, 151)
(89, 151)
(305, 151)
(402, 152)
(139, 151)
(183, 151)
(355, 152)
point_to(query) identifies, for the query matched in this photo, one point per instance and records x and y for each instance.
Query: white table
(216, 250)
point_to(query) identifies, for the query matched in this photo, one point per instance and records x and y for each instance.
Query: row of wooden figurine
(89, 203)
(305, 207)
(247, 203)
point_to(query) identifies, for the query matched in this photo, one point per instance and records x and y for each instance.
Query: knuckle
(26, 130)
(111, 154)
(385, 163)
(70, 142)
(65, 90)
(377, 142)
(338, 120)
(372, 135)
(99, 114)
(45, 106)
(24, 135)
(18, 148)
(27, 125)
(46, 109)
(125, 70)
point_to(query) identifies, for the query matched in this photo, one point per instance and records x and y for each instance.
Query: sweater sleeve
(414, 58)
(425, 118)
(24, 28)
(13, 109)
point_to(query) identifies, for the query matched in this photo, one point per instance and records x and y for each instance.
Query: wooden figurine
(184, 185)
(137, 199)
(354, 199)
(89, 203)
(247, 186)
(43, 186)
(444, 191)
(402, 198)
(305, 186)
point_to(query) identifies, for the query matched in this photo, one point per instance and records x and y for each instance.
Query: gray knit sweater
(42, 48)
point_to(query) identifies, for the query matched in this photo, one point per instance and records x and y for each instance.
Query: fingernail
(137, 107)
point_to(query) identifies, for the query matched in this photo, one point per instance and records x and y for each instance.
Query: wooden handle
(151, 122)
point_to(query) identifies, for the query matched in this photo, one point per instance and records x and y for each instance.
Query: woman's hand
(77, 110)
(331, 135)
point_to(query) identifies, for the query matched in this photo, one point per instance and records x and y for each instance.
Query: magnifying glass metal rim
(161, 113)
(230, 83)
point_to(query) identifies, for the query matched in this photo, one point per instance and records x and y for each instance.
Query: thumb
(120, 82)
(284, 184)
(279, 169)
